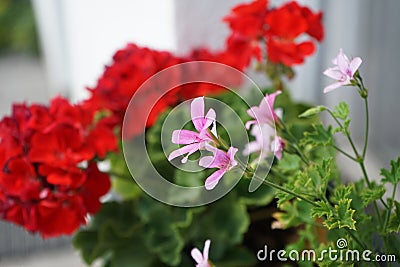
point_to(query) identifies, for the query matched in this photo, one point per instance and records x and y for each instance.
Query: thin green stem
(346, 132)
(355, 238)
(389, 209)
(359, 159)
(288, 191)
(366, 128)
(345, 153)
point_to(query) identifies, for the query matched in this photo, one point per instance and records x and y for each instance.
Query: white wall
(84, 35)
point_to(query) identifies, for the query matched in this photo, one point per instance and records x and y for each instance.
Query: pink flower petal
(342, 62)
(189, 149)
(251, 147)
(213, 179)
(277, 147)
(334, 73)
(206, 249)
(207, 162)
(355, 64)
(220, 158)
(231, 155)
(249, 123)
(197, 113)
(271, 98)
(332, 87)
(252, 112)
(196, 255)
(184, 137)
(210, 118)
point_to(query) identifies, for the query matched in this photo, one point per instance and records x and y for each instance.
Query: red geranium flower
(287, 23)
(254, 23)
(43, 181)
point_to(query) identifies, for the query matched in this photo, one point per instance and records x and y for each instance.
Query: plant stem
(344, 153)
(389, 211)
(359, 159)
(288, 191)
(346, 132)
(366, 128)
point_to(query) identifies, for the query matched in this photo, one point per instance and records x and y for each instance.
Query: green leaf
(289, 163)
(225, 221)
(322, 210)
(131, 253)
(393, 175)
(342, 192)
(312, 111)
(262, 196)
(294, 213)
(394, 222)
(113, 226)
(237, 257)
(127, 189)
(161, 231)
(166, 242)
(87, 242)
(368, 195)
(319, 136)
(343, 216)
(341, 111)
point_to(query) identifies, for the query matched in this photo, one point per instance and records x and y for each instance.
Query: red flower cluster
(44, 183)
(279, 28)
(132, 66)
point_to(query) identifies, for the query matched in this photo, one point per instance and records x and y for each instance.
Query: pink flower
(264, 113)
(222, 160)
(266, 142)
(277, 147)
(343, 72)
(194, 140)
(202, 258)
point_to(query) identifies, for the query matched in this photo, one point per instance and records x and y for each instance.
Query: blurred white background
(77, 38)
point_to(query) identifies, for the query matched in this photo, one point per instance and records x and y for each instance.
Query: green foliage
(393, 175)
(17, 27)
(369, 195)
(394, 221)
(323, 209)
(319, 136)
(341, 111)
(342, 216)
(294, 213)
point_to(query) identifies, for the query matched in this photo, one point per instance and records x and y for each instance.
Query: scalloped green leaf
(368, 195)
(393, 175)
(319, 136)
(341, 111)
(343, 216)
(323, 209)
